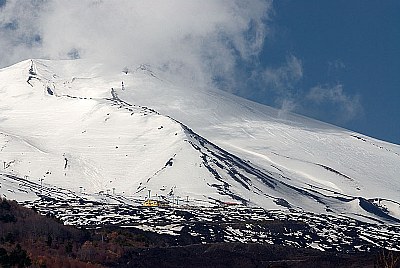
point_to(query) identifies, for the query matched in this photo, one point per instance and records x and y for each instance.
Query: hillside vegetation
(28, 239)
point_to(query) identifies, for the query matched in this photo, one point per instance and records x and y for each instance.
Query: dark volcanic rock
(241, 255)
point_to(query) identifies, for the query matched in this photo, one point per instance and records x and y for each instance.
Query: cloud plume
(347, 106)
(201, 40)
(284, 78)
(280, 82)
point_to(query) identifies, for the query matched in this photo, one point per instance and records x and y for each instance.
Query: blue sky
(352, 45)
(333, 60)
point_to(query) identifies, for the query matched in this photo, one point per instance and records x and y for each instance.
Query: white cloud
(284, 78)
(199, 39)
(19, 34)
(280, 83)
(349, 107)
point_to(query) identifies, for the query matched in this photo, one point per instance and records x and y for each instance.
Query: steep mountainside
(100, 135)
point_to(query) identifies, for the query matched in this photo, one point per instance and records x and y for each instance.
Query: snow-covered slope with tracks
(74, 125)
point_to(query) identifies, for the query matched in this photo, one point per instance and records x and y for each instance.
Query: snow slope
(77, 126)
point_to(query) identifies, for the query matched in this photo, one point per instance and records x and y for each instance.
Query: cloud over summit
(198, 39)
(217, 43)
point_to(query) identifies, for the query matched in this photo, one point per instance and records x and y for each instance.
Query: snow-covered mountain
(76, 126)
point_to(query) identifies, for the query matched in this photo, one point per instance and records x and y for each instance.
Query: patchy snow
(171, 229)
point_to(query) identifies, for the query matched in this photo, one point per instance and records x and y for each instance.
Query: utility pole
(41, 185)
(149, 193)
